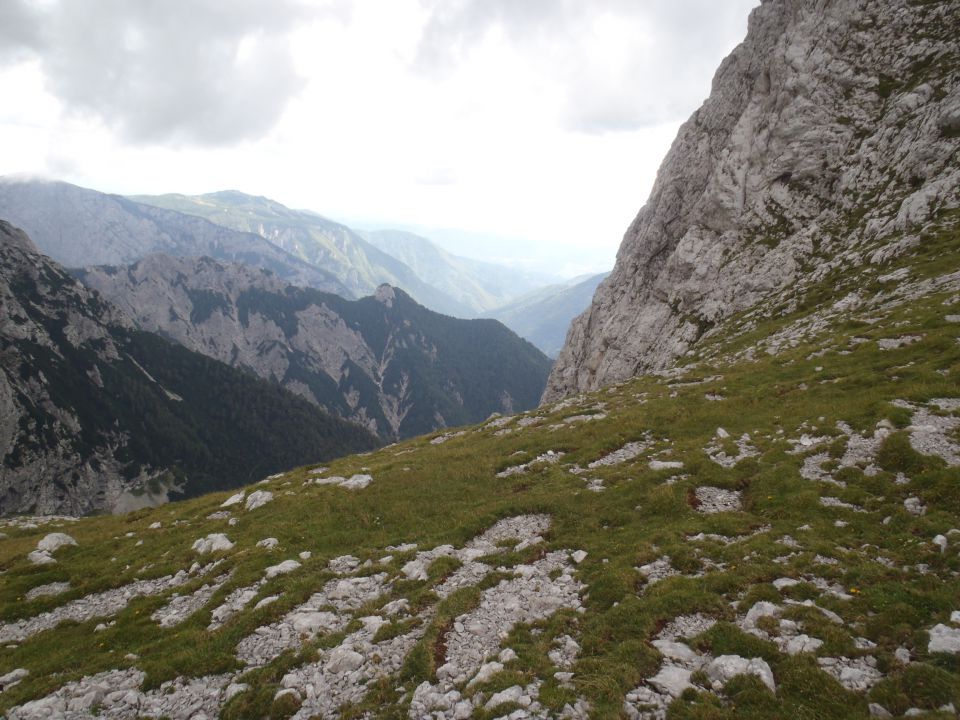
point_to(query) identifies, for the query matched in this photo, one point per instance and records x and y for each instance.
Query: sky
(522, 131)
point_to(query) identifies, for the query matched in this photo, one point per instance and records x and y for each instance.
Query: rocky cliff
(95, 415)
(829, 140)
(383, 361)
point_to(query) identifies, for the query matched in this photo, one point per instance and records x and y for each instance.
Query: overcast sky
(523, 130)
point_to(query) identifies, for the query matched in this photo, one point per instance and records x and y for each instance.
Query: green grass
(436, 494)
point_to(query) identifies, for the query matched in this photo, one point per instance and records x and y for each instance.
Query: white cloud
(536, 125)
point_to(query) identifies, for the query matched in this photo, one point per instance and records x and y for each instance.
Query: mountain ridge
(383, 361)
(97, 415)
(359, 265)
(76, 226)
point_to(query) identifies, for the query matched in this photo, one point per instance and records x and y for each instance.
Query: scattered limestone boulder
(287, 566)
(343, 659)
(54, 541)
(672, 680)
(12, 678)
(233, 500)
(802, 644)
(512, 694)
(269, 543)
(726, 667)
(41, 557)
(214, 542)
(761, 609)
(258, 498)
(487, 671)
(914, 506)
(54, 588)
(944, 639)
(234, 689)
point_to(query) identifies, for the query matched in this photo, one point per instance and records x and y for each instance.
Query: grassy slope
(432, 494)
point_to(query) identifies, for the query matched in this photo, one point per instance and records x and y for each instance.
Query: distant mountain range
(383, 361)
(358, 265)
(543, 316)
(97, 415)
(479, 285)
(77, 227)
(80, 227)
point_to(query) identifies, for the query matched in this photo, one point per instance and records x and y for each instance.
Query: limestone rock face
(77, 380)
(384, 362)
(832, 127)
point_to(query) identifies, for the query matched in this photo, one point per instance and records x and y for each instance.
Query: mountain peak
(386, 294)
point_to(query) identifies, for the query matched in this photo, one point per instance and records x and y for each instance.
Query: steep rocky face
(95, 415)
(76, 227)
(43, 308)
(829, 140)
(383, 361)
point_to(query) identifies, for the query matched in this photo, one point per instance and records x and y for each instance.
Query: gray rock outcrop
(829, 137)
(384, 361)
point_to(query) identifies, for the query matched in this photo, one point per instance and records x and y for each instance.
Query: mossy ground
(448, 493)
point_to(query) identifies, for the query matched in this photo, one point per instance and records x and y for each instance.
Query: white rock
(311, 623)
(305, 555)
(40, 557)
(287, 566)
(258, 498)
(941, 542)
(233, 499)
(914, 506)
(760, 610)
(781, 583)
(155, 526)
(725, 667)
(944, 639)
(487, 671)
(676, 651)
(802, 644)
(507, 655)
(54, 588)
(266, 601)
(269, 543)
(234, 689)
(955, 617)
(671, 679)
(214, 542)
(357, 482)
(656, 465)
(12, 678)
(510, 695)
(54, 541)
(579, 556)
(343, 659)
